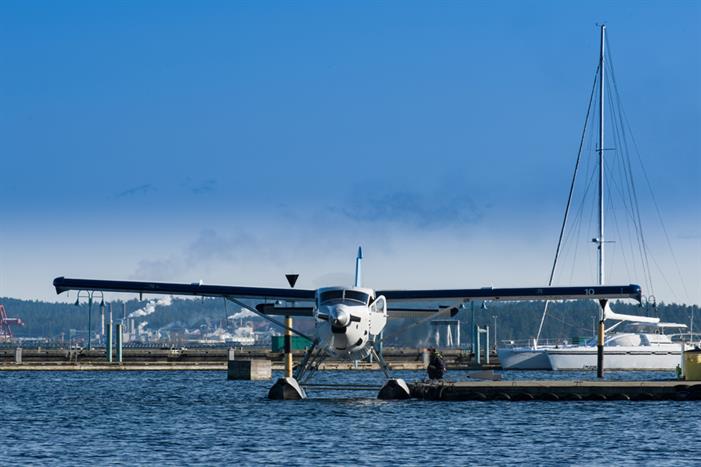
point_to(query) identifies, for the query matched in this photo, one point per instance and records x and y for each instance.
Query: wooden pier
(554, 390)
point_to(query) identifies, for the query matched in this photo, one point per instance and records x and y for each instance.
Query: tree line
(514, 321)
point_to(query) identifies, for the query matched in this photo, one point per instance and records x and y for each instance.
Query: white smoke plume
(150, 307)
(243, 314)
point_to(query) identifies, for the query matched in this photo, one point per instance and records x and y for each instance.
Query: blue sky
(234, 142)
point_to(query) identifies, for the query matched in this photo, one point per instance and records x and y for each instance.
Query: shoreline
(170, 366)
(211, 359)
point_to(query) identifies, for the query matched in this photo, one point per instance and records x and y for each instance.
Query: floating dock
(554, 390)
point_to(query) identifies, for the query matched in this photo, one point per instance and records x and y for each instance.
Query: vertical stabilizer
(358, 271)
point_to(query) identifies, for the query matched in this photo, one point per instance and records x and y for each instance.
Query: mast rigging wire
(624, 118)
(569, 202)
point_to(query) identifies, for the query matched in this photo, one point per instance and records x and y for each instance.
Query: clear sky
(234, 142)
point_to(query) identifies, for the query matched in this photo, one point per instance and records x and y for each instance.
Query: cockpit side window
(361, 297)
(330, 295)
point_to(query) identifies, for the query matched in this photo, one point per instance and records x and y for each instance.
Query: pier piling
(120, 336)
(108, 347)
(108, 337)
(253, 370)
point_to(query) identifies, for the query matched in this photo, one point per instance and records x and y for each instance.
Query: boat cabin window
(361, 297)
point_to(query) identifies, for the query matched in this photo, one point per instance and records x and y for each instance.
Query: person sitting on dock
(436, 365)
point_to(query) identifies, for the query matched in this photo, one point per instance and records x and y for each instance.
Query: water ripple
(199, 418)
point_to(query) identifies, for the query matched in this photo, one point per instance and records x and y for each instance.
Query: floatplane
(349, 321)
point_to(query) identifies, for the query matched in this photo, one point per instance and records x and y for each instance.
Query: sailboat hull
(620, 358)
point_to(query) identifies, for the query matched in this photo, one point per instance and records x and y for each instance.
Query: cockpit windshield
(330, 295)
(353, 295)
(361, 297)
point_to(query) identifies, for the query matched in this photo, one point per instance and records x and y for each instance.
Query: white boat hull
(523, 358)
(619, 358)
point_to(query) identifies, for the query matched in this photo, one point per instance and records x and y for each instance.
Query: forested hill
(516, 321)
(51, 319)
(519, 321)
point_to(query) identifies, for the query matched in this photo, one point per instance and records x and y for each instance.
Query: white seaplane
(349, 320)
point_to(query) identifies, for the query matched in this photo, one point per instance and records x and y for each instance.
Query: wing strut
(264, 316)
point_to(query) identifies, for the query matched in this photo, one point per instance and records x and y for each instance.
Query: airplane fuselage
(348, 320)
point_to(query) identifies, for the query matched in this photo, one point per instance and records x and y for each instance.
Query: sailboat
(647, 347)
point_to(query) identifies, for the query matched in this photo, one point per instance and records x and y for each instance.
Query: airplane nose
(340, 317)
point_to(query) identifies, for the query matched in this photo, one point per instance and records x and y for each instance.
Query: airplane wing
(594, 292)
(396, 312)
(63, 284)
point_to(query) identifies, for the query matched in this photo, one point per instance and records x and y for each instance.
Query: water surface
(200, 418)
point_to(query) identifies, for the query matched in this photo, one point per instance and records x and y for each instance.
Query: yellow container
(692, 365)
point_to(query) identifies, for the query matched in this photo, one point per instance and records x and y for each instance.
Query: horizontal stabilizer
(271, 309)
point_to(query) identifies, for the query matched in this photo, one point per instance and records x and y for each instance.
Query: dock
(554, 390)
(213, 358)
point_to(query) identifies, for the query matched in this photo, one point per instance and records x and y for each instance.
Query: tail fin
(358, 270)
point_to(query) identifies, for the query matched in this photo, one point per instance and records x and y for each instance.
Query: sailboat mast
(602, 313)
(601, 157)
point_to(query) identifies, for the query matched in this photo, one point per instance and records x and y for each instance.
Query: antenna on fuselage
(358, 272)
